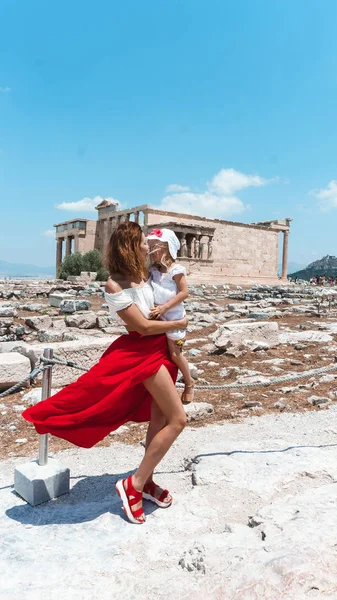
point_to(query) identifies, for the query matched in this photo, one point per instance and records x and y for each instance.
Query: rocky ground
(257, 522)
(235, 336)
(253, 518)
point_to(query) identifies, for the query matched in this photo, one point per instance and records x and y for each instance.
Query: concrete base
(37, 484)
(56, 298)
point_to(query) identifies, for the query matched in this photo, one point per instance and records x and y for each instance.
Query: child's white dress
(164, 289)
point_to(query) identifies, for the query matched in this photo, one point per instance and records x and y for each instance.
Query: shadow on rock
(91, 497)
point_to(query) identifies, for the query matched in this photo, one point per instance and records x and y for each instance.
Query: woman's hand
(157, 311)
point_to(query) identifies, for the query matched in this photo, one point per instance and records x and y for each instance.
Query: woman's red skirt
(106, 397)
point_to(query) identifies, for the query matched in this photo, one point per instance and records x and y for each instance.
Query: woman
(133, 381)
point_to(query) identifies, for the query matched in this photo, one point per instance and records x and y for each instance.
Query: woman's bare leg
(157, 422)
(165, 395)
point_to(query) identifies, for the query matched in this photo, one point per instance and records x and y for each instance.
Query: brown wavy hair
(123, 253)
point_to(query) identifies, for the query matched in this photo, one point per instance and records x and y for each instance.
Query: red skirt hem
(109, 395)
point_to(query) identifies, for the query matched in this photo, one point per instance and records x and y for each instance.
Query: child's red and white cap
(168, 236)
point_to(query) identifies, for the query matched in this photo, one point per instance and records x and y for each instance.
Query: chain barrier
(273, 381)
(60, 361)
(47, 362)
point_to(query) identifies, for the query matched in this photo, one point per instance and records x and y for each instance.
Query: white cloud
(175, 187)
(84, 205)
(218, 200)
(228, 181)
(3, 90)
(207, 204)
(49, 233)
(327, 196)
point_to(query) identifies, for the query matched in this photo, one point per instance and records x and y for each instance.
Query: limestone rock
(82, 321)
(7, 312)
(85, 352)
(104, 321)
(328, 378)
(114, 330)
(72, 306)
(34, 396)
(252, 404)
(235, 338)
(317, 400)
(59, 324)
(55, 299)
(198, 410)
(13, 368)
(194, 352)
(33, 307)
(55, 335)
(40, 323)
(298, 337)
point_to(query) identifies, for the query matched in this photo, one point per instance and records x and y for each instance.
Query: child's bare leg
(182, 364)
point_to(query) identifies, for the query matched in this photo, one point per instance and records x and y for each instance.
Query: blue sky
(233, 100)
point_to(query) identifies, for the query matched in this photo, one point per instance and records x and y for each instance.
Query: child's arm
(182, 294)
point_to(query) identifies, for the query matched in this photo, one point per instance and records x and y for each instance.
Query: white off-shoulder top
(141, 296)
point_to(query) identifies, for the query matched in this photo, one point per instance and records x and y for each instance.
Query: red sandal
(149, 493)
(130, 497)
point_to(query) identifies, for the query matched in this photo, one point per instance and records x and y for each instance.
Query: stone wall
(239, 250)
(231, 251)
(90, 240)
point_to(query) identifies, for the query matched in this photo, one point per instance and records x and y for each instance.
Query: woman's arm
(182, 294)
(135, 321)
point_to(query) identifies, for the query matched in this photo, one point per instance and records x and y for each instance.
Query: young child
(168, 280)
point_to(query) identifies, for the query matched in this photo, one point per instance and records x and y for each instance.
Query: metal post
(46, 389)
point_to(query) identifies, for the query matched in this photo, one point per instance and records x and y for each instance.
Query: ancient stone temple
(213, 250)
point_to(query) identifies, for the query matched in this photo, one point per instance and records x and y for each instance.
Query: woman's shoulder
(116, 297)
(112, 286)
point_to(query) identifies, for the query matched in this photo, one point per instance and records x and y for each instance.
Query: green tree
(90, 261)
(71, 265)
(102, 274)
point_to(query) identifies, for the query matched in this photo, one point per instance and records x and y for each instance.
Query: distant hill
(8, 269)
(324, 266)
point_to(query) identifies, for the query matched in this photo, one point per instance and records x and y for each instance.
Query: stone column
(112, 224)
(107, 230)
(68, 245)
(201, 248)
(59, 243)
(189, 246)
(183, 245)
(104, 230)
(137, 216)
(192, 247)
(76, 242)
(197, 246)
(210, 247)
(285, 255)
